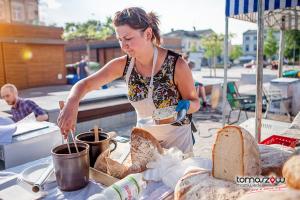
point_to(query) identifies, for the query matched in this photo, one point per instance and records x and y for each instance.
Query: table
(30, 146)
(154, 190)
(268, 128)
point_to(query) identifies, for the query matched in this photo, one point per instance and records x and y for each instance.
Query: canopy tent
(277, 14)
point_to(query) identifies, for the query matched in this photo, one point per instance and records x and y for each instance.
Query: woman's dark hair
(137, 18)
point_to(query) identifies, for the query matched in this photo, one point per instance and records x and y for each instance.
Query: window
(2, 10)
(247, 48)
(31, 11)
(18, 11)
(254, 47)
(247, 38)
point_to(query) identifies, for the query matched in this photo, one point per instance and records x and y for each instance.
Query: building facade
(250, 42)
(191, 44)
(30, 55)
(19, 11)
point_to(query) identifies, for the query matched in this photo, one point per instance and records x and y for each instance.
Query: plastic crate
(277, 139)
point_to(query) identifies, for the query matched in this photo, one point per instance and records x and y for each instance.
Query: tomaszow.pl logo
(259, 180)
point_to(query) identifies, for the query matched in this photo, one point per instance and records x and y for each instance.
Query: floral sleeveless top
(165, 92)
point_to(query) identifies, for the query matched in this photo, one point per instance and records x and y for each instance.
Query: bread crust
(250, 161)
(219, 135)
(148, 136)
(291, 171)
(138, 158)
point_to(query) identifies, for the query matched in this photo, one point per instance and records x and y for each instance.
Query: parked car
(252, 64)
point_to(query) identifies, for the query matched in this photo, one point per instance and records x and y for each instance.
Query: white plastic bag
(170, 167)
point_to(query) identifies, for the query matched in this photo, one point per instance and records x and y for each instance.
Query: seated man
(20, 108)
(199, 87)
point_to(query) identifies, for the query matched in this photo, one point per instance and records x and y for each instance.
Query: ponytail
(153, 23)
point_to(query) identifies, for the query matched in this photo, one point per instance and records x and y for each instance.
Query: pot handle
(115, 145)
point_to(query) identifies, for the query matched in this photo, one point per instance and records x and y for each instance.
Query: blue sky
(177, 14)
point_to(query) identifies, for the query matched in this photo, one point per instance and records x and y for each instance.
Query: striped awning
(278, 14)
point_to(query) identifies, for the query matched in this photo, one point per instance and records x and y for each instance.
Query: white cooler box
(289, 88)
(31, 145)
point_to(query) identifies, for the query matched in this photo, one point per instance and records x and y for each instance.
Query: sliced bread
(235, 153)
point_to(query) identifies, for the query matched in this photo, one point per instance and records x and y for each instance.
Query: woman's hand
(68, 117)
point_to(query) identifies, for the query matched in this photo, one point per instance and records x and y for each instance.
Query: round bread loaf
(272, 195)
(200, 185)
(291, 172)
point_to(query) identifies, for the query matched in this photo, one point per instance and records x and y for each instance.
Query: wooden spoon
(96, 133)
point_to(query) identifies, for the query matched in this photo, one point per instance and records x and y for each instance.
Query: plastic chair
(238, 102)
(274, 95)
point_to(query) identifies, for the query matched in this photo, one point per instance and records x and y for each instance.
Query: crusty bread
(101, 163)
(291, 172)
(235, 153)
(273, 157)
(144, 148)
(200, 185)
(274, 194)
(116, 169)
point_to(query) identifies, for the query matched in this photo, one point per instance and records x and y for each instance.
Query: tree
(213, 44)
(292, 44)
(193, 48)
(90, 30)
(236, 52)
(270, 45)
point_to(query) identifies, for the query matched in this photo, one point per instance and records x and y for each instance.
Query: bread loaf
(144, 148)
(101, 163)
(235, 153)
(273, 157)
(291, 172)
(272, 195)
(200, 185)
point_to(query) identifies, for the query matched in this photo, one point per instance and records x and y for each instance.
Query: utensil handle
(38, 185)
(74, 141)
(61, 106)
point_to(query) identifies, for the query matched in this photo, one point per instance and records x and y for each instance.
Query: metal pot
(71, 170)
(96, 148)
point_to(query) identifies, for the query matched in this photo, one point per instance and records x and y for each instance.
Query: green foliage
(212, 45)
(270, 44)
(292, 40)
(90, 30)
(236, 52)
(193, 48)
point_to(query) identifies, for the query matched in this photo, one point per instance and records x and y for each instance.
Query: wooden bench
(104, 108)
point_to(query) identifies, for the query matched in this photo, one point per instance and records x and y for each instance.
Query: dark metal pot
(96, 148)
(71, 170)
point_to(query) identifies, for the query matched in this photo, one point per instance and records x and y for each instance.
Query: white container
(129, 188)
(30, 146)
(289, 89)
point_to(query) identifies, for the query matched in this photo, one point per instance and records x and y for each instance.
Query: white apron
(168, 135)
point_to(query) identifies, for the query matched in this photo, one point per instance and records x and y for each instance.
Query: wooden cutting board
(101, 177)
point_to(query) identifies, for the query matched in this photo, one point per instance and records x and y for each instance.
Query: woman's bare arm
(111, 71)
(185, 84)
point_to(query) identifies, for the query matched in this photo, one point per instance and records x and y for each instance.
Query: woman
(155, 77)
